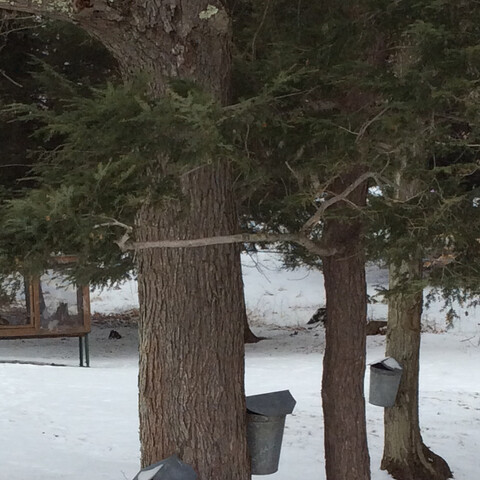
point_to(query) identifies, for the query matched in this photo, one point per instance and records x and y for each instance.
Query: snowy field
(66, 422)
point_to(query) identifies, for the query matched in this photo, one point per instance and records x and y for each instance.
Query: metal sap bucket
(385, 379)
(171, 468)
(265, 425)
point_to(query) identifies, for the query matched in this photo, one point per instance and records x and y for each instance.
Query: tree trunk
(346, 451)
(191, 334)
(405, 456)
(191, 379)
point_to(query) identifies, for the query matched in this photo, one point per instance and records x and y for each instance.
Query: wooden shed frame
(33, 329)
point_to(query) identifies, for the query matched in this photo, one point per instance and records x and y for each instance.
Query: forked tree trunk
(346, 451)
(405, 456)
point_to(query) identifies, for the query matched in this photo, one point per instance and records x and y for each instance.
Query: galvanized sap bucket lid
(273, 404)
(387, 364)
(171, 468)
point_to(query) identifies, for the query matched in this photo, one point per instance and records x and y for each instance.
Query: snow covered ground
(65, 422)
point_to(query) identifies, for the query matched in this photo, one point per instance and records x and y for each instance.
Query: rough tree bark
(405, 456)
(346, 451)
(191, 395)
(191, 342)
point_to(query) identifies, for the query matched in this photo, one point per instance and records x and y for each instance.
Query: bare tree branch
(123, 241)
(10, 165)
(298, 177)
(300, 238)
(310, 245)
(5, 33)
(112, 222)
(341, 197)
(365, 126)
(54, 8)
(10, 79)
(126, 244)
(83, 12)
(255, 35)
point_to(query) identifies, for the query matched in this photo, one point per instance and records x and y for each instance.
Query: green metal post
(80, 350)
(87, 351)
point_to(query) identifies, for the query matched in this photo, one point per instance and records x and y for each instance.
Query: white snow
(66, 422)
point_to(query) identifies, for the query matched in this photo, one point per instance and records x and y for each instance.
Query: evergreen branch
(341, 197)
(300, 239)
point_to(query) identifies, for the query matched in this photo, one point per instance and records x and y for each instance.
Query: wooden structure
(47, 306)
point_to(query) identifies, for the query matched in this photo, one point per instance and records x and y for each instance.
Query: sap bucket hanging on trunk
(265, 424)
(172, 468)
(385, 379)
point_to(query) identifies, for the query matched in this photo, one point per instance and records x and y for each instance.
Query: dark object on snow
(114, 335)
(320, 316)
(172, 468)
(374, 327)
(377, 327)
(249, 336)
(385, 379)
(265, 424)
